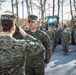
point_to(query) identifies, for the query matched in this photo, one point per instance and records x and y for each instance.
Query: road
(62, 64)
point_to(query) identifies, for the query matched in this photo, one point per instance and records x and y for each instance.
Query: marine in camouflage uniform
(44, 38)
(59, 35)
(38, 69)
(51, 35)
(65, 38)
(16, 54)
(41, 36)
(55, 37)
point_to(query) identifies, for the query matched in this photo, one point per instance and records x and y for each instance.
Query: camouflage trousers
(34, 71)
(65, 46)
(52, 45)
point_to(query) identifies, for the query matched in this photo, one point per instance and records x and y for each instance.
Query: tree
(71, 13)
(42, 6)
(27, 5)
(74, 1)
(17, 10)
(22, 11)
(53, 7)
(58, 6)
(12, 6)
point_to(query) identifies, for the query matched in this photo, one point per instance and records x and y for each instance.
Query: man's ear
(13, 27)
(37, 22)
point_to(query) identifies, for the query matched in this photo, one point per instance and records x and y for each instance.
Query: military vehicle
(51, 21)
(72, 32)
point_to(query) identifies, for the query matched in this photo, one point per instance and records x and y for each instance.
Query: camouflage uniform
(44, 38)
(55, 38)
(35, 60)
(59, 35)
(65, 38)
(37, 66)
(51, 35)
(13, 63)
(12, 56)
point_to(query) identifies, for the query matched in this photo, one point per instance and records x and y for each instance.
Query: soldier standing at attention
(65, 38)
(14, 53)
(55, 37)
(51, 35)
(44, 38)
(40, 35)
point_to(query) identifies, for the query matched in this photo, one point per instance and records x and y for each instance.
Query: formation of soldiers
(62, 36)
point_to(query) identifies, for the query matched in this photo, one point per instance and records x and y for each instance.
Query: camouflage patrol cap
(65, 26)
(7, 20)
(33, 18)
(7, 16)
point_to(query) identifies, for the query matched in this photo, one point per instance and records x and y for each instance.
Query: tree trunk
(31, 7)
(17, 10)
(71, 13)
(58, 7)
(12, 6)
(42, 4)
(53, 7)
(27, 5)
(22, 11)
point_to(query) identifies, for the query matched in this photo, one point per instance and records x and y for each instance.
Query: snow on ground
(62, 64)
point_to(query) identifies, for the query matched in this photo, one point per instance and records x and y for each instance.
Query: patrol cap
(65, 26)
(7, 16)
(7, 19)
(33, 18)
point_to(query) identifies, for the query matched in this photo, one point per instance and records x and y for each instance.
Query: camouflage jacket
(12, 56)
(55, 35)
(51, 34)
(65, 36)
(15, 53)
(44, 38)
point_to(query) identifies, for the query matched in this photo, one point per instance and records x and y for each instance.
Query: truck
(73, 31)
